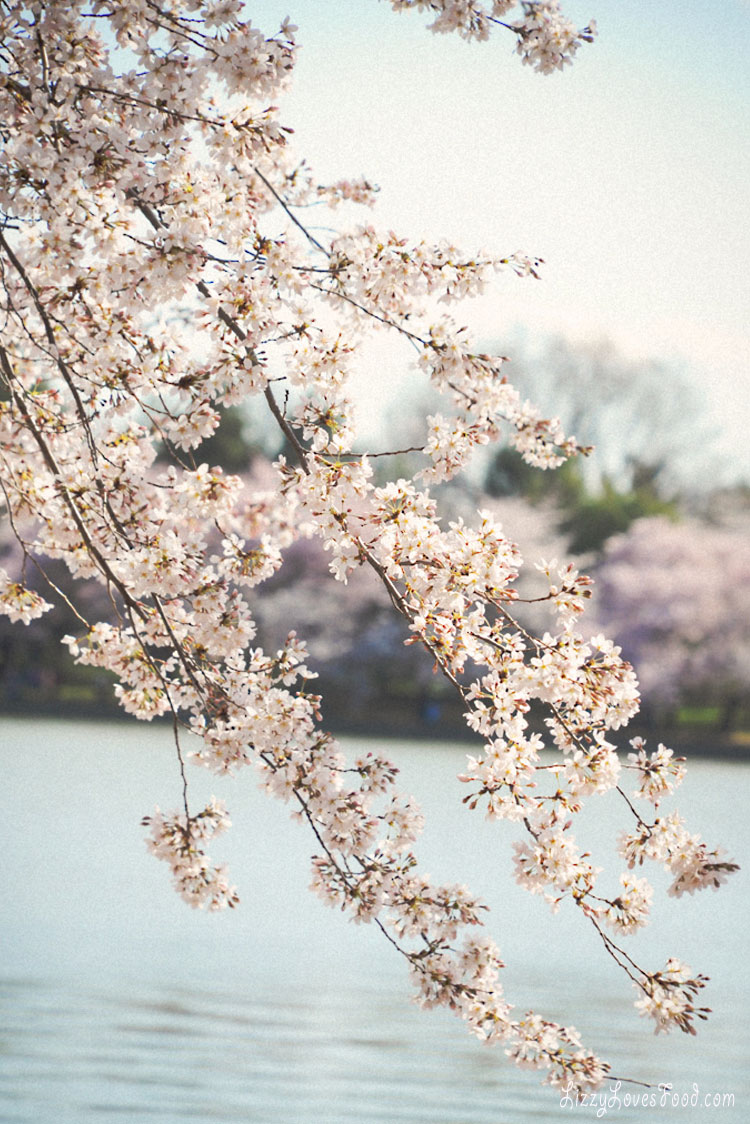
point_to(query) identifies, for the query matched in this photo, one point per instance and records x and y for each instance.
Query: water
(121, 1003)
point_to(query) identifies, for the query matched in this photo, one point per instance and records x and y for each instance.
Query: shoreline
(691, 742)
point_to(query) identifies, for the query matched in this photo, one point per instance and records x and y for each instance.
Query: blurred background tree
(677, 598)
(669, 554)
(650, 452)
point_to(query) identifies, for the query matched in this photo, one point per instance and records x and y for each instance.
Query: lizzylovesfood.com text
(662, 1097)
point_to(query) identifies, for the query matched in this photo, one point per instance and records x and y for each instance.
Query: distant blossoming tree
(156, 267)
(677, 598)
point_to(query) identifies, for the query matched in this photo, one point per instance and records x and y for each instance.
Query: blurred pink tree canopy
(677, 597)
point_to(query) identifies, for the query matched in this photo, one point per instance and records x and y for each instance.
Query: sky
(628, 173)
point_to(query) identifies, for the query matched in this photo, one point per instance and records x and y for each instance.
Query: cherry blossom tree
(156, 268)
(677, 598)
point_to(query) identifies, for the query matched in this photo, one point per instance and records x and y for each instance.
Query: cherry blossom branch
(94, 161)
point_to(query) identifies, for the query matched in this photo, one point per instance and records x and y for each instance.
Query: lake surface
(121, 1003)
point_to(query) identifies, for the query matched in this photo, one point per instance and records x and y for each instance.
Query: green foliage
(509, 475)
(232, 446)
(588, 517)
(228, 445)
(594, 519)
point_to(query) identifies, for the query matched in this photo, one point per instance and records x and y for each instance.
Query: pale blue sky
(628, 173)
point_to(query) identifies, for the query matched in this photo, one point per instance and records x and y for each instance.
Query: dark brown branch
(63, 489)
(50, 333)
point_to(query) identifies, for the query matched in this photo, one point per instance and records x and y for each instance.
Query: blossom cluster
(659, 773)
(18, 602)
(685, 856)
(547, 40)
(176, 840)
(155, 270)
(629, 910)
(669, 997)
